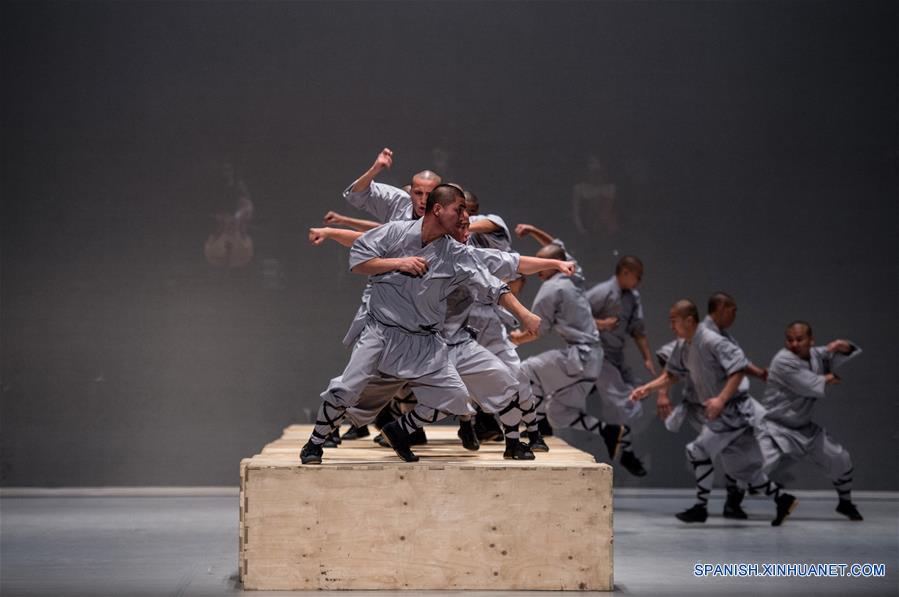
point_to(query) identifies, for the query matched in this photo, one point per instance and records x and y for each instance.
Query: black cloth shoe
(467, 435)
(732, 507)
(486, 428)
(379, 439)
(333, 439)
(399, 441)
(632, 464)
(355, 432)
(543, 426)
(695, 514)
(536, 443)
(611, 436)
(848, 509)
(515, 450)
(786, 503)
(311, 453)
(418, 437)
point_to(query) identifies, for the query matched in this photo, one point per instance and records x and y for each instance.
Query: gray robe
(707, 361)
(607, 299)
(564, 375)
(384, 202)
(794, 388)
(491, 322)
(490, 383)
(405, 315)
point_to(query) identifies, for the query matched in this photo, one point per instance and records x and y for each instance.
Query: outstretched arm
(415, 266)
(484, 226)
(337, 219)
(341, 235)
(384, 160)
(542, 237)
(531, 265)
(663, 381)
(756, 371)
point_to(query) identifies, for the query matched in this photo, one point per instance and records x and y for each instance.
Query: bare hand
(639, 393)
(663, 406)
(332, 217)
(530, 322)
(714, 407)
(832, 379)
(764, 375)
(414, 266)
(519, 337)
(650, 366)
(318, 235)
(384, 159)
(566, 267)
(523, 229)
(841, 346)
(607, 324)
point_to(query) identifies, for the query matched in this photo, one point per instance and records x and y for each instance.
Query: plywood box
(454, 520)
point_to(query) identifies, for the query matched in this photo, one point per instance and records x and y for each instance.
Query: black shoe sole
(735, 515)
(519, 456)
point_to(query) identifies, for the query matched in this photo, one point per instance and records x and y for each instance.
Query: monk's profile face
(682, 325)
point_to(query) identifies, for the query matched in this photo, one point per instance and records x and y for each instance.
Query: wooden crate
(454, 520)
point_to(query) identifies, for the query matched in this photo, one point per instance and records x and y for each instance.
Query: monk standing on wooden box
(414, 266)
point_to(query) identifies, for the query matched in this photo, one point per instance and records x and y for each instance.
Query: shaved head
(471, 203)
(719, 300)
(444, 195)
(427, 176)
(551, 251)
(800, 325)
(685, 308)
(630, 263)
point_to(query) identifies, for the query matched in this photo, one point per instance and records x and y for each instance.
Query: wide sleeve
(597, 297)
(503, 231)
(374, 243)
(663, 354)
(730, 356)
(546, 304)
(502, 264)
(382, 201)
(839, 359)
(792, 373)
(635, 323)
(470, 270)
(676, 364)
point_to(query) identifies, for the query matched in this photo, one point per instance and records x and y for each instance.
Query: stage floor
(177, 542)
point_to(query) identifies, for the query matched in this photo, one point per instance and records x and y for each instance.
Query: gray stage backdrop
(747, 147)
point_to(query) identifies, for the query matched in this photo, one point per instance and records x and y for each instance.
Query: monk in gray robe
(715, 367)
(561, 378)
(799, 376)
(414, 266)
(491, 384)
(618, 313)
